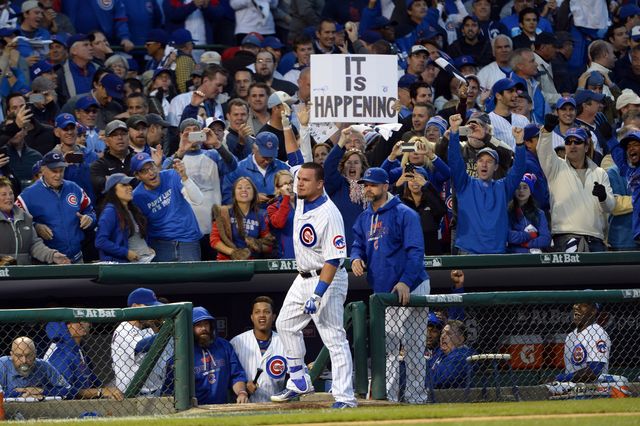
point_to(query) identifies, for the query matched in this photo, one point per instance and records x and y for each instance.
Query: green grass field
(609, 412)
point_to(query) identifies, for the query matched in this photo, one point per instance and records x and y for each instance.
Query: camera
(74, 157)
(464, 130)
(36, 98)
(408, 147)
(199, 137)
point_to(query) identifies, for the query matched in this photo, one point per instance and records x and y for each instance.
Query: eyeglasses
(91, 111)
(573, 142)
(147, 170)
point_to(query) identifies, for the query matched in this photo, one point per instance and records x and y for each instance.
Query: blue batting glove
(311, 306)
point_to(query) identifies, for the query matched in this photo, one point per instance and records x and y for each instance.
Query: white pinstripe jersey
(273, 364)
(590, 345)
(318, 235)
(502, 128)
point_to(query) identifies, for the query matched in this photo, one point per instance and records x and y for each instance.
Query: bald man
(23, 375)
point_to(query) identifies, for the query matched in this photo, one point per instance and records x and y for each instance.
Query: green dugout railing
(177, 324)
(244, 270)
(378, 303)
(355, 319)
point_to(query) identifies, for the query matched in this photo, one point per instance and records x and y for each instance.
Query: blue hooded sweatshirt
(389, 241)
(68, 358)
(632, 174)
(483, 224)
(451, 370)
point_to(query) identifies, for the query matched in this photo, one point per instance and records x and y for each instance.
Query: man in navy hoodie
(388, 242)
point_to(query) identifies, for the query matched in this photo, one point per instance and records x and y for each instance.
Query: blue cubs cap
(142, 296)
(267, 144)
(595, 79)
(63, 120)
(181, 36)
(71, 40)
(565, 100)
(370, 36)
(252, 38)
(434, 321)
(490, 151)
(86, 102)
(380, 22)
(113, 85)
(376, 175)
(406, 81)
(158, 35)
(40, 68)
(60, 38)
(159, 71)
(272, 42)
(628, 10)
(461, 61)
(629, 137)
(439, 122)
(53, 160)
(113, 180)
(584, 95)
(578, 133)
(530, 179)
(201, 314)
(504, 84)
(531, 131)
(139, 160)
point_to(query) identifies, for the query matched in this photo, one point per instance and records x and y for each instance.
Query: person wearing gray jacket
(18, 238)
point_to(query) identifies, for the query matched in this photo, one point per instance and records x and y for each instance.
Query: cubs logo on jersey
(105, 4)
(276, 367)
(578, 354)
(72, 200)
(601, 345)
(308, 235)
(338, 242)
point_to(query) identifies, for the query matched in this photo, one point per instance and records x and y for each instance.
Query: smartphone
(74, 157)
(408, 147)
(200, 137)
(409, 168)
(4, 150)
(36, 98)
(464, 130)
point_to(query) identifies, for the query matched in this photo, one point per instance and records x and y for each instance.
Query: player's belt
(309, 274)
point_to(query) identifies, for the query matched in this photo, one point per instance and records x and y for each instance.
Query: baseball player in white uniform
(261, 353)
(586, 349)
(318, 292)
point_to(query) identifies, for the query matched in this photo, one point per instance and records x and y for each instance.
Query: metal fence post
(360, 350)
(184, 386)
(377, 345)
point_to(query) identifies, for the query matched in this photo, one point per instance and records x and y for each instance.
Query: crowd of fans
(173, 153)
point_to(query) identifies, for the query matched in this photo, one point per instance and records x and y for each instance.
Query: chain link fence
(508, 346)
(65, 363)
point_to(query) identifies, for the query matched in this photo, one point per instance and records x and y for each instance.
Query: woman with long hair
(528, 226)
(121, 234)
(419, 194)
(280, 212)
(343, 167)
(241, 231)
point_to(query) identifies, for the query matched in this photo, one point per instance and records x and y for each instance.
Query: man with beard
(587, 348)
(265, 67)
(388, 242)
(472, 42)
(260, 350)
(23, 375)
(216, 366)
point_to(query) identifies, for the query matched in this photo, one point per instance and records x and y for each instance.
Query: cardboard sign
(353, 88)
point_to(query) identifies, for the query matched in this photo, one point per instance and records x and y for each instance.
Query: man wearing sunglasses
(580, 190)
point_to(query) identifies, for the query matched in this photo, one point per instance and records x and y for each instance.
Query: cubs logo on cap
(307, 235)
(276, 367)
(578, 354)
